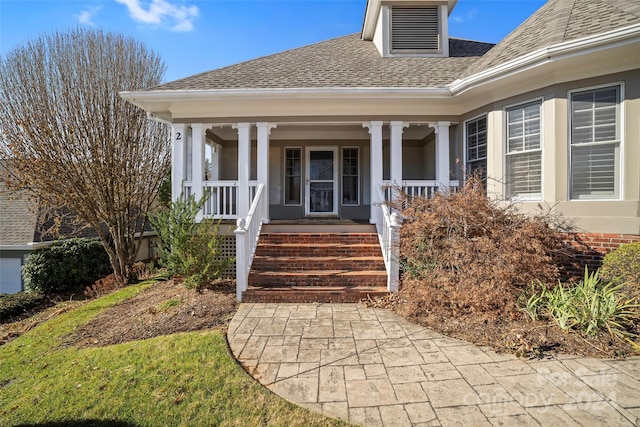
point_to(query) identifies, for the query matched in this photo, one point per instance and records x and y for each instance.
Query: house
(17, 227)
(551, 115)
(23, 230)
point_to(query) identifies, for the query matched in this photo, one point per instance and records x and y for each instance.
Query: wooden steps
(317, 267)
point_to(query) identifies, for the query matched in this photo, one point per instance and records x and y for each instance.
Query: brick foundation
(588, 250)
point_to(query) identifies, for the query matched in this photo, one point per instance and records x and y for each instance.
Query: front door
(321, 181)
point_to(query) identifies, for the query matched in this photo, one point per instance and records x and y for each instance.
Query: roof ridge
(566, 24)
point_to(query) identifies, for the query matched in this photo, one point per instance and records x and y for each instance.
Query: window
(524, 152)
(350, 176)
(476, 141)
(595, 143)
(415, 29)
(292, 176)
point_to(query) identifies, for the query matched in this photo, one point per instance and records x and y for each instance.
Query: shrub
(187, 248)
(465, 253)
(587, 307)
(622, 266)
(102, 286)
(66, 266)
(16, 304)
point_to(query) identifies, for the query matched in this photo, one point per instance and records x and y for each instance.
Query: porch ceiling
(318, 132)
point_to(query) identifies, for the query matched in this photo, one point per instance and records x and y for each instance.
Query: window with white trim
(292, 176)
(476, 146)
(350, 176)
(595, 143)
(415, 29)
(524, 152)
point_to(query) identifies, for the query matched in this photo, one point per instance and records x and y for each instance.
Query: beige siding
(607, 216)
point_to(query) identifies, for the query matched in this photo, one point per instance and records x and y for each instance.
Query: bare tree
(69, 140)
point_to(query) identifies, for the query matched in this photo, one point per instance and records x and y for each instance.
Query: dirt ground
(166, 307)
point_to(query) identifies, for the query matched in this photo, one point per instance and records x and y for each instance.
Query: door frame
(307, 180)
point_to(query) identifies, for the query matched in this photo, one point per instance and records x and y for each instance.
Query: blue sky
(193, 36)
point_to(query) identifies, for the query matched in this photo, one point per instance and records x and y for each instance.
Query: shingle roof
(346, 61)
(17, 219)
(560, 21)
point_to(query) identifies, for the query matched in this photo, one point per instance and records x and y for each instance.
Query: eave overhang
(615, 40)
(165, 103)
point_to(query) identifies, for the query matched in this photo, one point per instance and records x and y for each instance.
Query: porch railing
(389, 234)
(247, 236)
(222, 200)
(418, 188)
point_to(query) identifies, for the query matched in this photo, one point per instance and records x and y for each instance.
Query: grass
(180, 379)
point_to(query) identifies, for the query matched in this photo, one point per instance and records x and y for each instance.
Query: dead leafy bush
(102, 287)
(465, 253)
(142, 270)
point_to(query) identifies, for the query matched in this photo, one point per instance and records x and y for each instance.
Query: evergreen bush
(67, 266)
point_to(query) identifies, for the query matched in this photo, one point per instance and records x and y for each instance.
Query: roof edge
(620, 36)
(328, 92)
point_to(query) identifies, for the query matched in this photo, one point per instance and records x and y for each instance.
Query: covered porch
(255, 172)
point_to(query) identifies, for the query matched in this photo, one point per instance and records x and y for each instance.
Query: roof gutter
(282, 93)
(614, 38)
(27, 247)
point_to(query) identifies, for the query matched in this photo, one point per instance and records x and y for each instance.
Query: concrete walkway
(371, 367)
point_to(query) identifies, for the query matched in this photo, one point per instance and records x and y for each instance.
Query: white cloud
(461, 19)
(86, 16)
(162, 13)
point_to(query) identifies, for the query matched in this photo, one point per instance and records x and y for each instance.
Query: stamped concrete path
(371, 367)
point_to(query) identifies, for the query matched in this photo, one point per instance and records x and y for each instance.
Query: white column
(375, 129)
(263, 130)
(396, 128)
(442, 154)
(197, 163)
(178, 138)
(216, 152)
(244, 167)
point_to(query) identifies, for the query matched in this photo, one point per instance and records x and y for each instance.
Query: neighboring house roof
(560, 21)
(17, 219)
(342, 62)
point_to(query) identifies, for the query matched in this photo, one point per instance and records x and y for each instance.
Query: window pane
(321, 165)
(594, 120)
(292, 178)
(350, 176)
(523, 160)
(476, 147)
(524, 174)
(593, 171)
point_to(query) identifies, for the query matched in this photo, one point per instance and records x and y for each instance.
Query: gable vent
(415, 29)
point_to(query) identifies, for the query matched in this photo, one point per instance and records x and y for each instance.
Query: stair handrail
(247, 235)
(389, 235)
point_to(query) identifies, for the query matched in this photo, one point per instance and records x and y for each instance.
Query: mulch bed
(521, 336)
(165, 308)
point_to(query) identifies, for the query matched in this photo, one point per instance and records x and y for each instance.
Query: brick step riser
(310, 264)
(306, 296)
(333, 239)
(310, 281)
(317, 252)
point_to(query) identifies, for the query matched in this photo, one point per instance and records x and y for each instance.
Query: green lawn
(181, 379)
